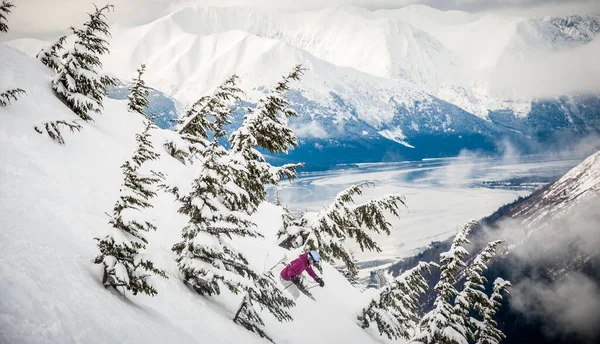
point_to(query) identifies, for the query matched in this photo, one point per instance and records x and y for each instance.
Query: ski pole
(279, 262)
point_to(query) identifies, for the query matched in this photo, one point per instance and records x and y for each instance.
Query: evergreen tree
(14, 94)
(487, 330)
(442, 325)
(265, 127)
(473, 293)
(394, 310)
(49, 55)
(78, 81)
(217, 207)
(120, 255)
(342, 220)
(5, 9)
(138, 94)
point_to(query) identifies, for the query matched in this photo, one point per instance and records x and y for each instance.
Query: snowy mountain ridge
(375, 79)
(577, 186)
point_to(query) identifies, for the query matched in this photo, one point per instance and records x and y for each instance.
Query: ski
(305, 291)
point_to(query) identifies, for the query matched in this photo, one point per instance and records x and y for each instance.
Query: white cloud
(547, 75)
(310, 129)
(46, 19)
(571, 305)
(558, 246)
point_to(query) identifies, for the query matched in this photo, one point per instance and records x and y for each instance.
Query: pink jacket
(297, 266)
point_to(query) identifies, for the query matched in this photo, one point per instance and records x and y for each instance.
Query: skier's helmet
(314, 256)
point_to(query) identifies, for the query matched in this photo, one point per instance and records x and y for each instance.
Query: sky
(141, 11)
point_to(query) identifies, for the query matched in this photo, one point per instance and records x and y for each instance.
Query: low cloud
(550, 74)
(310, 130)
(550, 255)
(570, 306)
(458, 172)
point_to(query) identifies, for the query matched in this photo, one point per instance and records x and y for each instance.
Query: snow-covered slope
(574, 188)
(53, 200)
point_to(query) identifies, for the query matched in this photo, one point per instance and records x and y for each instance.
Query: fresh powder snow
(54, 199)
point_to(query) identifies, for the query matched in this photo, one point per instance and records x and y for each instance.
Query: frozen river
(441, 194)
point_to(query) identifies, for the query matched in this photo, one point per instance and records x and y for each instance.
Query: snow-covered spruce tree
(487, 331)
(394, 309)
(5, 7)
(218, 209)
(120, 250)
(14, 94)
(138, 93)
(442, 325)
(204, 256)
(78, 81)
(343, 220)
(194, 126)
(473, 293)
(49, 56)
(265, 127)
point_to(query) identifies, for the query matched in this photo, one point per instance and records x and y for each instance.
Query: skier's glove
(296, 279)
(321, 282)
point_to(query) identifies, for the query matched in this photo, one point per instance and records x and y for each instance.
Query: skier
(294, 270)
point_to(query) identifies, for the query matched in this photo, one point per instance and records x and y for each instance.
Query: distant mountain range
(381, 85)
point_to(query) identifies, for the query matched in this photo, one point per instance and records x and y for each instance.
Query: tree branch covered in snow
(176, 152)
(266, 293)
(487, 331)
(394, 309)
(124, 264)
(78, 81)
(473, 296)
(138, 94)
(14, 94)
(5, 9)
(49, 55)
(53, 129)
(294, 231)
(194, 124)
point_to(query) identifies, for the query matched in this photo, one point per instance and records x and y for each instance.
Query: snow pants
(290, 287)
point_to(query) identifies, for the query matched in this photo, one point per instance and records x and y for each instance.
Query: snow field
(53, 201)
